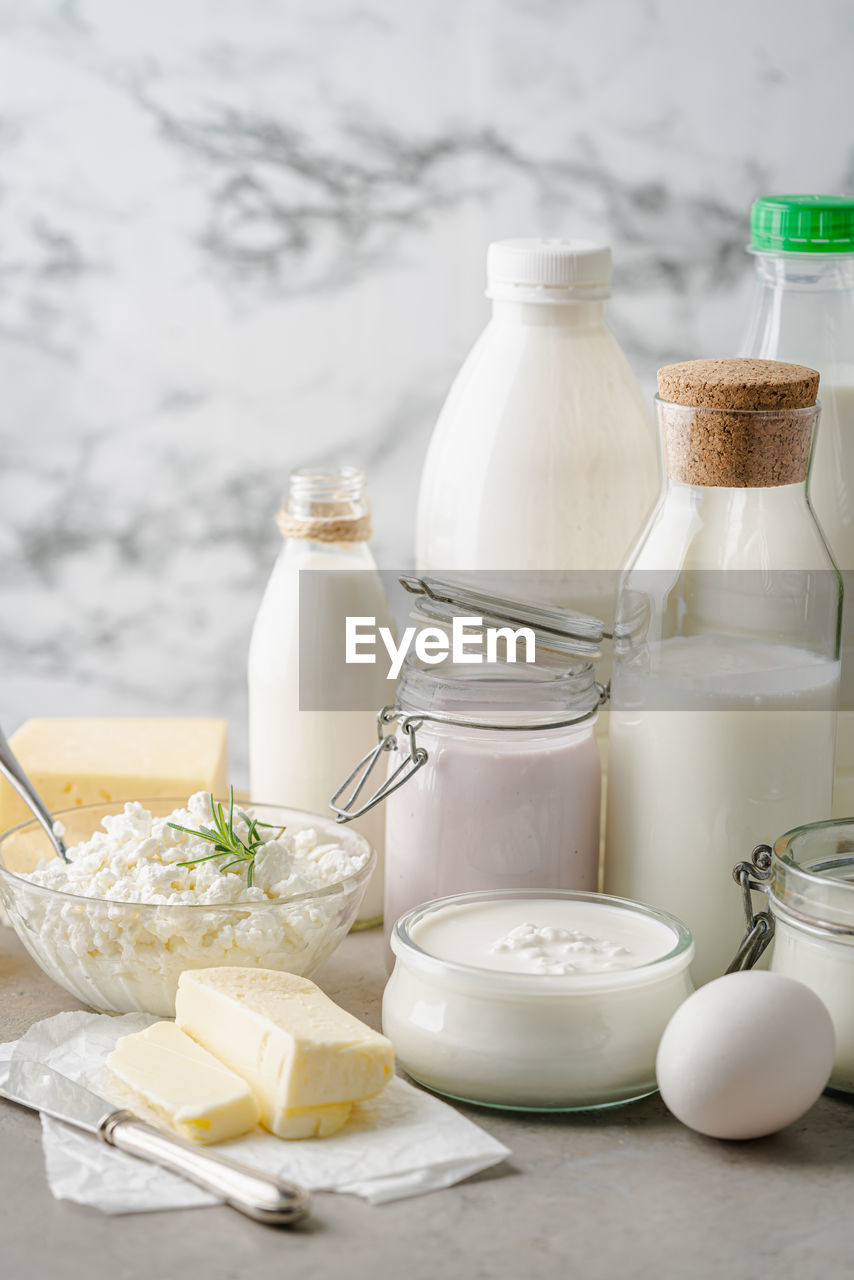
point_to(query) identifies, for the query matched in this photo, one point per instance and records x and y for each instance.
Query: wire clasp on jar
(753, 877)
(358, 777)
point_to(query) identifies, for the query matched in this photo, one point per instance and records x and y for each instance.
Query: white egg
(745, 1055)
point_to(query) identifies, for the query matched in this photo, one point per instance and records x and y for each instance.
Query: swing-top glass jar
(493, 777)
(808, 876)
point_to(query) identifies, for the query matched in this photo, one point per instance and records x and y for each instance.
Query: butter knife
(261, 1196)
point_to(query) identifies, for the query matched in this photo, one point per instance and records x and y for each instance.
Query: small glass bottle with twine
(309, 710)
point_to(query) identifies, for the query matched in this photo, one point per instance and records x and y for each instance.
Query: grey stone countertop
(621, 1193)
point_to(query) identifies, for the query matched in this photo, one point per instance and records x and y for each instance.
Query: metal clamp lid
(417, 757)
(753, 877)
(410, 724)
(559, 631)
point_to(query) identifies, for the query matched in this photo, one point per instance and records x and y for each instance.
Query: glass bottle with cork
(726, 672)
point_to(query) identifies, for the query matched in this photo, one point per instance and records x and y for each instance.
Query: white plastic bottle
(300, 757)
(803, 311)
(544, 456)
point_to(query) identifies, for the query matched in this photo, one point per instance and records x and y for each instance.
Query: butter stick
(305, 1059)
(196, 1095)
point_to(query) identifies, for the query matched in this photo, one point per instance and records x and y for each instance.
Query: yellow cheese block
(305, 1059)
(90, 761)
(196, 1095)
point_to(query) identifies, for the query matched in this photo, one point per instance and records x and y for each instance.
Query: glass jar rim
(805, 411)
(803, 885)
(500, 695)
(678, 957)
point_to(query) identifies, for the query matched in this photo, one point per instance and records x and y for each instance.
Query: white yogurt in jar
(811, 897)
(825, 964)
(535, 999)
(556, 935)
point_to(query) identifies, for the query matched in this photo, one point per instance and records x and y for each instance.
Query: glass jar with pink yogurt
(508, 796)
(493, 778)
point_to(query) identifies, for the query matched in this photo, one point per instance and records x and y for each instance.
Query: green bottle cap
(802, 224)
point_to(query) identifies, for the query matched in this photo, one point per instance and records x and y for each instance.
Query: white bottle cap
(548, 270)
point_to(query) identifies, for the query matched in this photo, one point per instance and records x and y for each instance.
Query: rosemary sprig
(226, 841)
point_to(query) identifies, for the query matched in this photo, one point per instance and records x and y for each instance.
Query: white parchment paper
(403, 1143)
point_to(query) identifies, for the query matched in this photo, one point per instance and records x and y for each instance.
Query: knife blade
(261, 1196)
(41, 1088)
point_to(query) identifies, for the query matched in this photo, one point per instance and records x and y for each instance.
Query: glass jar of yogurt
(534, 1000)
(493, 778)
(808, 877)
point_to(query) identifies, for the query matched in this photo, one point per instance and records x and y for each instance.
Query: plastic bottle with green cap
(803, 311)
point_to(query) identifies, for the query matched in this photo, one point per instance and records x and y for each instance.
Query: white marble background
(242, 235)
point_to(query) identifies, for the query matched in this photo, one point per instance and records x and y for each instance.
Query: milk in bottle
(803, 310)
(544, 456)
(298, 757)
(726, 669)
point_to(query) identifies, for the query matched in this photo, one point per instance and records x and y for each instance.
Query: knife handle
(263, 1197)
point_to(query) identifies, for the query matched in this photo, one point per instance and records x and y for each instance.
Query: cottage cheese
(555, 950)
(143, 918)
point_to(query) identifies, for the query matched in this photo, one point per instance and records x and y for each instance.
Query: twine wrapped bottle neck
(333, 528)
(326, 505)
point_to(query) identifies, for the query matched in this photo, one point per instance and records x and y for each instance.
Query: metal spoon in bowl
(25, 789)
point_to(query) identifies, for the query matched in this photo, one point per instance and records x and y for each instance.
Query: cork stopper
(737, 423)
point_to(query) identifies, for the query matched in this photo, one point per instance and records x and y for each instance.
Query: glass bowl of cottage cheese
(140, 901)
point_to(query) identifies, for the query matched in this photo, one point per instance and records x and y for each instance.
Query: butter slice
(196, 1095)
(90, 761)
(305, 1059)
(312, 1122)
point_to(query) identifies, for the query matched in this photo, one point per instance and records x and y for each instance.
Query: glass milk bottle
(726, 665)
(298, 757)
(803, 310)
